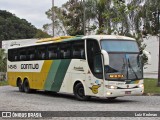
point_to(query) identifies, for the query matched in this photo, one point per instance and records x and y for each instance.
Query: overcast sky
(31, 10)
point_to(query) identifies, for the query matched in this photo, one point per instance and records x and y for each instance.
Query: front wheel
(79, 92)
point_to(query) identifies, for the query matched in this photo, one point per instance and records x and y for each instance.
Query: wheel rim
(80, 92)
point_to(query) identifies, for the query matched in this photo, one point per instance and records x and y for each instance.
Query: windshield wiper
(132, 68)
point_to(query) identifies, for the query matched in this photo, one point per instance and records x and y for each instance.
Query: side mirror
(105, 56)
(148, 55)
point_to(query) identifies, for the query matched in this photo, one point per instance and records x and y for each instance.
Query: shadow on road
(92, 99)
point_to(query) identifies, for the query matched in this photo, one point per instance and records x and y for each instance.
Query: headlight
(141, 86)
(111, 87)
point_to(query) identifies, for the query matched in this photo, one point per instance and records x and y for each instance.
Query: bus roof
(73, 38)
(100, 37)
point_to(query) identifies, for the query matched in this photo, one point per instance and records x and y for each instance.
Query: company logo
(29, 66)
(6, 114)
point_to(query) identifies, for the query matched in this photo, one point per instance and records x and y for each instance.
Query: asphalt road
(13, 100)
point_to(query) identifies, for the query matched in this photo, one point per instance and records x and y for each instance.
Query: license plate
(127, 92)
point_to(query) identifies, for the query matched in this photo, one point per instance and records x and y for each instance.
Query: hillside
(12, 27)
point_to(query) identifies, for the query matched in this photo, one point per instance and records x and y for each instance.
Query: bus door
(95, 71)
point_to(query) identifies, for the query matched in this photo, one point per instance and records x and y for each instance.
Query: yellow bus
(96, 65)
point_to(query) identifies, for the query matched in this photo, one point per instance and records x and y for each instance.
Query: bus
(107, 66)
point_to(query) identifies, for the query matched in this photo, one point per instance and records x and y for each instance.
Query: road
(13, 100)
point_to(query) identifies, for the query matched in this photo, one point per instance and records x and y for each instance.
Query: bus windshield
(119, 46)
(124, 60)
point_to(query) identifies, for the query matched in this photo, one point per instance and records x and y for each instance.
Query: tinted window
(94, 57)
(22, 54)
(31, 53)
(65, 51)
(52, 51)
(119, 46)
(41, 53)
(78, 50)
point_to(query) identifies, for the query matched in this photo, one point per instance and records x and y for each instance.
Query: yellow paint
(94, 88)
(54, 39)
(36, 79)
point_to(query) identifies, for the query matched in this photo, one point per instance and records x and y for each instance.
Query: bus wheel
(26, 86)
(20, 85)
(79, 92)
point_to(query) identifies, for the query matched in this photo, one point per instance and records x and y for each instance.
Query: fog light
(109, 93)
(111, 87)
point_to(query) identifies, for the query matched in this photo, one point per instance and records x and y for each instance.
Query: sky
(31, 10)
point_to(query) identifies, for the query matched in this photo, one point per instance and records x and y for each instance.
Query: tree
(3, 61)
(68, 18)
(12, 27)
(41, 34)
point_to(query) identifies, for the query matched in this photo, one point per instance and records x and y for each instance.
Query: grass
(3, 83)
(150, 86)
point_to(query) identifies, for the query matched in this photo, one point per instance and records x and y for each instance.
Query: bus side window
(23, 55)
(65, 51)
(52, 52)
(78, 51)
(31, 53)
(41, 53)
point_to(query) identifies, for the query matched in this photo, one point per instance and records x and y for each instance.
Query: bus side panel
(56, 75)
(11, 79)
(36, 78)
(79, 71)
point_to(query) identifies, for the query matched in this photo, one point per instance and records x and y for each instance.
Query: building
(8, 43)
(151, 70)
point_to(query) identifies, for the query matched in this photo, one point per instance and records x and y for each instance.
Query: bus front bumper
(123, 92)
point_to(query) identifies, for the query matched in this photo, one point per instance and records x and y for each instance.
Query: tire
(20, 86)
(79, 92)
(26, 86)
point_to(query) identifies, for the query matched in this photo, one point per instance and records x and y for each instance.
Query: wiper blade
(132, 68)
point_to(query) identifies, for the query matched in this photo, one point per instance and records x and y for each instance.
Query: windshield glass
(124, 60)
(119, 46)
(127, 65)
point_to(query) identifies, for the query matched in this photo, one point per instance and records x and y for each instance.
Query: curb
(151, 94)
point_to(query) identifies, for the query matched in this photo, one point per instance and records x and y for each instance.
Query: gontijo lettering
(29, 66)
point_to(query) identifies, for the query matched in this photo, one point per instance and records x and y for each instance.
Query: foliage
(41, 34)
(3, 61)
(12, 27)
(69, 18)
(133, 18)
(3, 83)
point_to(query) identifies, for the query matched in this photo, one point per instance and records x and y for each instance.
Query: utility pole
(157, 22)
(0, 43)
(158, 12)
(53, 17)
(84, 17)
